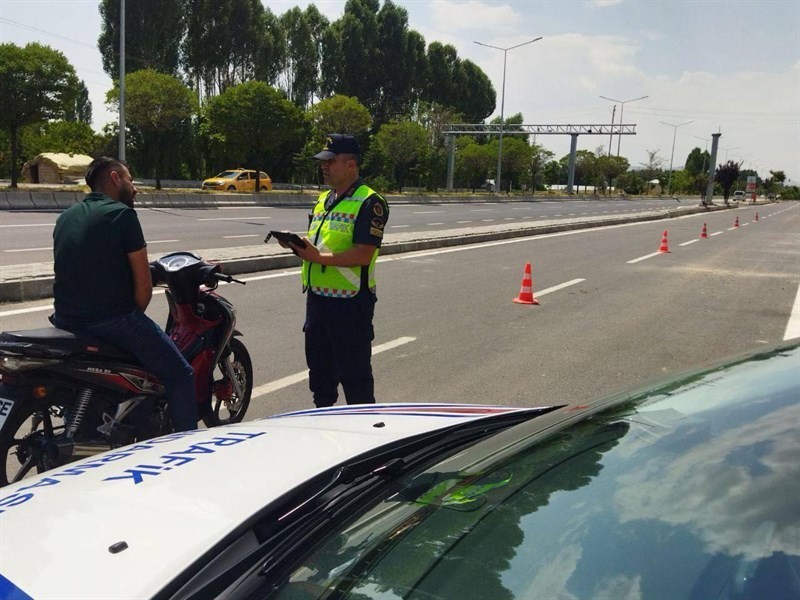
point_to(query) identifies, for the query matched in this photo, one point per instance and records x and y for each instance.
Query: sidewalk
(20, 283)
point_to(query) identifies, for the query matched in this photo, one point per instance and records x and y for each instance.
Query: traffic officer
(344, 236)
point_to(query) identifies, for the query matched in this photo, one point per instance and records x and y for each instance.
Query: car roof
(168, 500)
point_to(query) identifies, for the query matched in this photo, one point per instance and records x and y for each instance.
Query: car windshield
(227, 175)
(689, 492)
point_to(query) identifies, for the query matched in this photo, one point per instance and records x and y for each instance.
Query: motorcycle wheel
(226, 407)
(29, 440)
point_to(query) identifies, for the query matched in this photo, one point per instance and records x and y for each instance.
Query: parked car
(684, 490)
(238, 180)
(739, 196)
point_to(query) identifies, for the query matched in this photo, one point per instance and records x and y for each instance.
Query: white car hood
(172, 498)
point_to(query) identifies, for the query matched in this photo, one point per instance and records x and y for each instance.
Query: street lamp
(672, 156)
(621, 112)
(502, 102)
(728, 150)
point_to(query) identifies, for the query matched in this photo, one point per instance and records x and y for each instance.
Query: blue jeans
(142, 337)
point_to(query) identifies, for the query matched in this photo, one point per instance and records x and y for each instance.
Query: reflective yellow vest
(332, 231)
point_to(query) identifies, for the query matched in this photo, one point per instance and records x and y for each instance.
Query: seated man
(103, 284)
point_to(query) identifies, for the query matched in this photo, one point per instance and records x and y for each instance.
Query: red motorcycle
(65, 396)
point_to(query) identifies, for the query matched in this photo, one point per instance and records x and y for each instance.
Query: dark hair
(99, 168)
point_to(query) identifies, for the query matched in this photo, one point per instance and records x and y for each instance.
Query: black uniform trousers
(338, 338)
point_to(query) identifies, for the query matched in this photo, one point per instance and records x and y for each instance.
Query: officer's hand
(309, 253)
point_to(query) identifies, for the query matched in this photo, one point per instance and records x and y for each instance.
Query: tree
(350, 56)
(515, 161)
(340, 114)
(403, 143)
(254, 123)
(473, 161)
(652, 169)
(401, 63)
(631, 182)
(38, 84)
(61, 136)
(726, 176)
(229, 42)
(153, 34)
(540, 156)
(697, 161)
(156, 104)
(778, 177)
(611, 167)
(299, 70)
(82, 109)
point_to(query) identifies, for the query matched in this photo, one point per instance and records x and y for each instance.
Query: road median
(21, 283)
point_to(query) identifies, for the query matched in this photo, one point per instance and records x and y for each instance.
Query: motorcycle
(64, 396)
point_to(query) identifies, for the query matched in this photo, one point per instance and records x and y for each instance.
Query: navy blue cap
(338, 143)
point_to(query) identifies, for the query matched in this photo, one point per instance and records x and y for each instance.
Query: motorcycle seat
(58, 343)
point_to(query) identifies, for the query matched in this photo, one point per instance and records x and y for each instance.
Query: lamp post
(502, 103)
(728, 150)
(122, 80)
(621, 112)
(672, 156)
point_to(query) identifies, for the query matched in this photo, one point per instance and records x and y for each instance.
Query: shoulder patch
(377, 208)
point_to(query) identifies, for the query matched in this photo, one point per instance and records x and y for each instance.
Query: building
(55, 167)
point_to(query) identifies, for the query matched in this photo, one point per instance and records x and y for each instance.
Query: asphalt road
(26, 237)
(447, 329)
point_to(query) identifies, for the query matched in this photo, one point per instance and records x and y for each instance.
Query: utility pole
(672, 156)
(122, 80)
(621, 112)
(611, 135)
(711, 169)
(502, 104)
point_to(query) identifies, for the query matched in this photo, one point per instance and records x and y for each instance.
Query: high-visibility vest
(332, 231)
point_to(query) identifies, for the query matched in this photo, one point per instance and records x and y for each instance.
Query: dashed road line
(689, 242)
(645, 257)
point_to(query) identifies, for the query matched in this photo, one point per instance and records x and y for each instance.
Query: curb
(37, 288)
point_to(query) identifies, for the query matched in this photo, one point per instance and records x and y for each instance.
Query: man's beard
(126, 197)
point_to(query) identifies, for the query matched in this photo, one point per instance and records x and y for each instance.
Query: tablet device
(286, 236)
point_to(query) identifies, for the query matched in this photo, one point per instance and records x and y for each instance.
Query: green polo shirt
(91, 242)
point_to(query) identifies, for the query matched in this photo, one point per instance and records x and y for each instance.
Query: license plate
(5, 409)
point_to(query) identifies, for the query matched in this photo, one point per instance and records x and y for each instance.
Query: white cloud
(603, 3)
(473, 15)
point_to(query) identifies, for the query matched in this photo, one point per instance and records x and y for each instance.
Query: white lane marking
(745, 224)
(161, 241)
(560, 286)
(29, 249)
(558, 215)
(429, 224)
(645, 257)
(242, 207)
(284, 382)
(427, 212)
(717, 233)
(462, 222)
(487, 220)
(689, 242)
(28, 225)
(398, 226)
(481, 210)
(232, 218)
(732, 228)
(231, 237)
(508, 218)
(793, 326)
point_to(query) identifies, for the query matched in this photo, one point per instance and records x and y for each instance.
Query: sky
(717, 66)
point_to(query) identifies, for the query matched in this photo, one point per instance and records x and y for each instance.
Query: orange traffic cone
(736, 222)
(664, 243)
(756, 219)
(704, 233)
(526, 292)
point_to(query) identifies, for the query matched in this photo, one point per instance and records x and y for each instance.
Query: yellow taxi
(238, 180)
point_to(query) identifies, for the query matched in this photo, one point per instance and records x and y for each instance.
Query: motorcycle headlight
(15, 364)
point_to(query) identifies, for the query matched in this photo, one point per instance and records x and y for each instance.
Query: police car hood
(125, 523)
